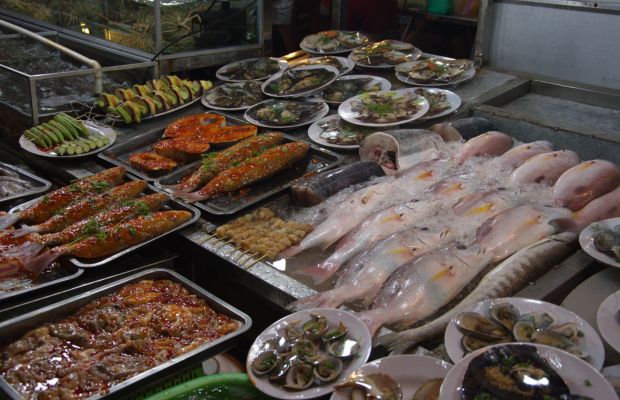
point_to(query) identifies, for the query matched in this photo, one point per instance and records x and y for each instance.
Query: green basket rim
(230, 377)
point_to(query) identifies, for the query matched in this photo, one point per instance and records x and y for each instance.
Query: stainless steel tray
(14, 328)
(172, 205)
(40, 184)
(317, 160)
(56, 276)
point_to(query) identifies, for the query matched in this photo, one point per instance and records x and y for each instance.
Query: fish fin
(393, 343)
(36, 265)
(23, 258)
(319, 300)
(370, 318)
(8, 220)
(190, 197)
(25, 230)
(319, 273)
(565, 224)
(177, 188)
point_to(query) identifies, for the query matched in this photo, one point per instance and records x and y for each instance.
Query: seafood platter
(342, 64)
(286, 114)
(16, 183)
(384, 54)
(333, 131)
(251, 69)
(601, 240)
(300, 81)
(332, 42)
(348, 86)
(435, 71)
(233, 96)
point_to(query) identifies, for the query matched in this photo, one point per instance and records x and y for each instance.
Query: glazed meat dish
(110, 340)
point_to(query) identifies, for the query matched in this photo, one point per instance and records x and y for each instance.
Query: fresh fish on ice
(521, 153)
(545, 168)
(488, 144)
(604, 207)
(464, 128)
(584, 182)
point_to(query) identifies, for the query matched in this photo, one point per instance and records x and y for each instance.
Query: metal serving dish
(56, 276)
(40, 184)
(172, 205)
(14, 328)
(317, 160)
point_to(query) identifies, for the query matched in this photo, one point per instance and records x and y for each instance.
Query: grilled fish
(226, 134)
(152, 162)
(250, 171)
(214, 163)
(64, 196)
(181, 149)
(187, 126)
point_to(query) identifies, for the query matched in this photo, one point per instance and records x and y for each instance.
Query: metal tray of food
(40, 185)
(119, 154)
(15, 327)
(317, 160)
(172, 205)
(16, 287)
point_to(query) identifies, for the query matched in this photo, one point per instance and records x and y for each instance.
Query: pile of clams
(306, 354)
(506, 324)
(372, 386)
(607, 240)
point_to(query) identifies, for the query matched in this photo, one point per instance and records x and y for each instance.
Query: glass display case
(166, 30)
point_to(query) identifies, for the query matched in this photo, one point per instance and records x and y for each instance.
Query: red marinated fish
(56, 200)
(250, 171)
(182, 149)
(150, 161)
(214, 163)
(226, 134)
(189, 125)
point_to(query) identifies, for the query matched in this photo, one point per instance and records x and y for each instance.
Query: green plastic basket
(172, 382)
(207, 382)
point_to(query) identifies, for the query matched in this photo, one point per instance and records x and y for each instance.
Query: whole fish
(464, 128)
(504, 280)
(114, 238)
(362, 203)
(521, 153)
(21, 261)
(214, 163)
(604, 207)
(252, 170)
(116, 214)
(544, 168)
(584, 182)
(488, 144)
(58, 199)
(314, 190)
(88, 206)
(418, 289)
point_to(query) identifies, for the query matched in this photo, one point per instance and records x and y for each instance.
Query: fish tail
(35, 265)
(9, 220)
(393, 343)
(319, 273)
(565, 224)
(22, 258)
(190, 197)
(372, 320)
(25, 230)
(290, 252)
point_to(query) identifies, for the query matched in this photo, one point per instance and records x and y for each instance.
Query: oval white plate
(338, 50)
(281, 64)
(453, 99)
(410, 371)
(414, 54)
(329, 68)
(607, 322)
(591, 343)
(346, 64)
(580, 377)
(404, 77)
(205, 103)
(93, 127)
(587, 243)
(314, 133)
(345, 110)
(357, 330)
(385, 85)
(323, 112)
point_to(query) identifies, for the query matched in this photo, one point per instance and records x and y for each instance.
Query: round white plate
(385, 85)
(329, 68)
(314, 133)
(414, 54)
(410, 371)
(580, 377)
(205, 103)
(320, 114)
(591, 343)
(281, 64)
(346, 64)
(338, 50)
(607, 321)
(587, 243)
(93, 127)
(404, 77)
(345, 110)
(357, 330)
(453, 99)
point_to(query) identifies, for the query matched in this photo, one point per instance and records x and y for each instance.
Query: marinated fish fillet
(152, 162)
(64, 196)
(189, 125)
(250, 171)
(182, 149)
(226, 134)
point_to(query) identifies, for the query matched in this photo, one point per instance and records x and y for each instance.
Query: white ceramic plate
(414, 54)
(346, 112)
(404, 77)
(580, 377)
(338, 50)
(305, 121)
(607, 321)
(314, 133)
(346, 64)
(282, 65)
(357, 330)
(453, 99)
(205, 103)
(385, 85)
(93, 127)
(410, 371)
(329, 68)
(587, 243)
(591, 343)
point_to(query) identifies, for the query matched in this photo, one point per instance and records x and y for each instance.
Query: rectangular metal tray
(172, 205)
(40, 184)
(58, 275)
(317, 160)
(14, 328)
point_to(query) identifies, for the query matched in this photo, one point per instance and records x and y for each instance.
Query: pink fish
(545, 168)
(584, 182)
(492, 143)
(521, 153)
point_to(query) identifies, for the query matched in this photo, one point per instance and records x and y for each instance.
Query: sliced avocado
(143, 90)
(123, 113)
(144, 108)
(151, 105)
(170, 96)
(164, 99)
(161, 85)
(188, 85)
(179, 95)
(196, 88)
(159, 104)
(185, 93)
(206, 85)
(130, 94)
(134, 110)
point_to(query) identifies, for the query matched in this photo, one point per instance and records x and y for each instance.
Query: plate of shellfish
(435, 71)
(332, 42)
(300, 81)
(384, 54)
(406, 376)
(517, 319)
(601, 240)
(305, 354)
